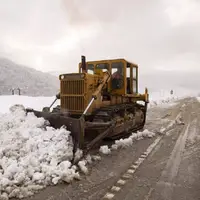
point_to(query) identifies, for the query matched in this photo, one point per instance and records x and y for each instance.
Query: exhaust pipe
(83, 64)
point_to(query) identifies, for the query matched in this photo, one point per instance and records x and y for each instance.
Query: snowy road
(165, 167)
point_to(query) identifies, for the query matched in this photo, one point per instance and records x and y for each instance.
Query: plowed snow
(123, 143)
(32, 156)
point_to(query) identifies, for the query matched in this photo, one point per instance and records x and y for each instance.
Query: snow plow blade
(78, 128)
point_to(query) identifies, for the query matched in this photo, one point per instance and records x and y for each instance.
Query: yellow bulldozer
(100, 101)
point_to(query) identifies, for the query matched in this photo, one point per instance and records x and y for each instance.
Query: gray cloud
(51, 35)
(89, 12)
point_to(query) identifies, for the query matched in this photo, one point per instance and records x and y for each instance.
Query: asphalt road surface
(166, 167)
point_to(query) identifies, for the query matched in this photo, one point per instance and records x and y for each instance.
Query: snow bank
(32, 102)
(32, 155)
(198, 98)
(123, 143)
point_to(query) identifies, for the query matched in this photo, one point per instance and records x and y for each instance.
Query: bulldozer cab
(109, 82)
(124, 75)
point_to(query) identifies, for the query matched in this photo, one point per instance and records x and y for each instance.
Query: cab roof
(111, 60)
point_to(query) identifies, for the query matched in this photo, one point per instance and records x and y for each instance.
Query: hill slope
(30, 81)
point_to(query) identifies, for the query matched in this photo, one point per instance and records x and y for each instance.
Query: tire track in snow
(193, 133)
(166, 182)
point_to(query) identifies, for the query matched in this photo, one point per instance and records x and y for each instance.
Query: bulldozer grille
(72, 95)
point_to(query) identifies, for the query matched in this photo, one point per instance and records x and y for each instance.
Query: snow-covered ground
(166, 94)
(163, 98)
(27, 101)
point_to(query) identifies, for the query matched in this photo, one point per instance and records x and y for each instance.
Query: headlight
(62, 76)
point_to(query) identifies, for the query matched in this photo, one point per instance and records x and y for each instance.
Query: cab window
(128, 78)
(135, 87)
(103, 66)
(117, 75)
(90, 69)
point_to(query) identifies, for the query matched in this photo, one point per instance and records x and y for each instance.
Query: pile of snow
(32, 102)
(104, 149)
(32, 155)
(123, 143)
(82, 165)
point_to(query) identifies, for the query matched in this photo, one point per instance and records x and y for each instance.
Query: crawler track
(123, 119)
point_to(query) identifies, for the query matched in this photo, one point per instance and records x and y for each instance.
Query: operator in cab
(117, 74)
(117, 78)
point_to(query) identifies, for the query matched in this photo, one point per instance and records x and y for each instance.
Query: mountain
(30, 81)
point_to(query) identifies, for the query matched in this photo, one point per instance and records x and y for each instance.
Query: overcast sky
(52, 34)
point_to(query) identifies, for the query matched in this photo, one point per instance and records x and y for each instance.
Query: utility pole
(19, 91)
(12, 91)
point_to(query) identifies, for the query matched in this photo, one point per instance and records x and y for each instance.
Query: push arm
(105, 79)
